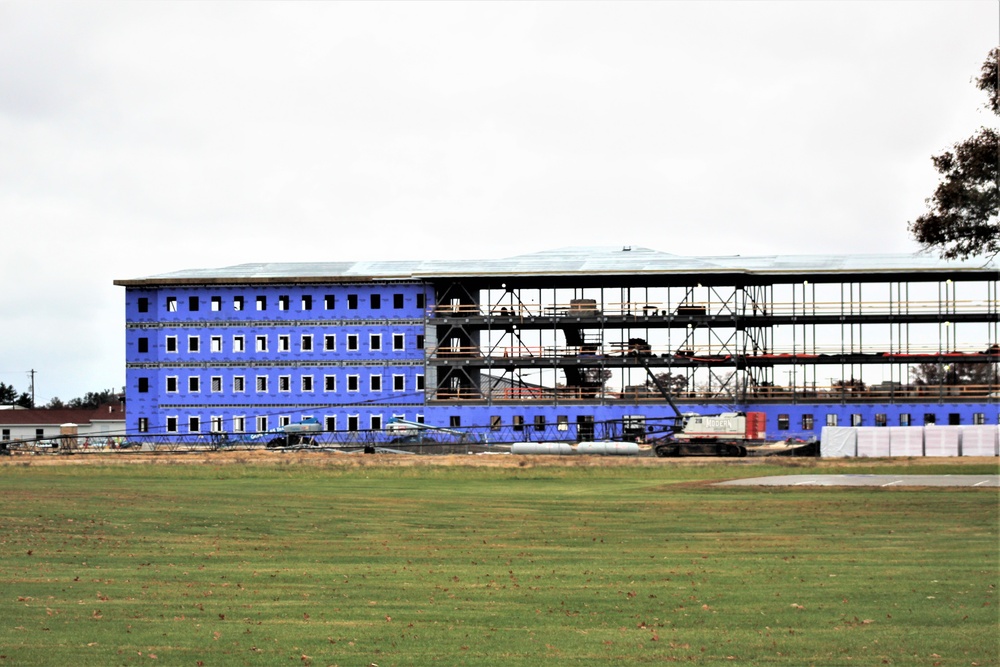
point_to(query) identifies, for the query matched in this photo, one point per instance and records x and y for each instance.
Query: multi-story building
(556, 342)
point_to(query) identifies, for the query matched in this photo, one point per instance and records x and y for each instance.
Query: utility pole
(32, 373)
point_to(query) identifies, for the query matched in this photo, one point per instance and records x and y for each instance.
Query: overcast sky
(142, 138)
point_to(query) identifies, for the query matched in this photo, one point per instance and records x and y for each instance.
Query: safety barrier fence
(875, 441)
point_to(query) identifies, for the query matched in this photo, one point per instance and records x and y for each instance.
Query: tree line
(91, 400)
(962, 217)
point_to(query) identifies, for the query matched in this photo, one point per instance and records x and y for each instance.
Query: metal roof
(578, 261)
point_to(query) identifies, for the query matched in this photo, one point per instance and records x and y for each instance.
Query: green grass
(267, 565)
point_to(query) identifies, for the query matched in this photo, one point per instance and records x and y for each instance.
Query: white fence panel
(979, 440)
(941, 440)
(873, 441)
(838, 441)
(906, 441)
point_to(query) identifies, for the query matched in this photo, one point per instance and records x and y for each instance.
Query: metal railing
(660, 309)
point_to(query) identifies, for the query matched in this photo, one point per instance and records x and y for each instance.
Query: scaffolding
(812, 339)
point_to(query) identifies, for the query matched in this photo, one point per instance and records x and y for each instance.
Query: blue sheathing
(799, 417)
(191, 358)
(206, 379)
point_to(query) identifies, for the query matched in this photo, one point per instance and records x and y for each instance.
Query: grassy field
(246, 564)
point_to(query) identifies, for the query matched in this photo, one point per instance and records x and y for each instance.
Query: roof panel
(572, 261)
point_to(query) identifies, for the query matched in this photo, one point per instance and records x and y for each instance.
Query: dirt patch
(326, 459)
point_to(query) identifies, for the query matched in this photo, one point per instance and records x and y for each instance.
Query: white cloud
(150, 137)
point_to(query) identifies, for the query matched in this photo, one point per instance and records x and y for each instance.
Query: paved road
(869, 480)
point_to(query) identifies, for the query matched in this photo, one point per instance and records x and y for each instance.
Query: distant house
(27, 424)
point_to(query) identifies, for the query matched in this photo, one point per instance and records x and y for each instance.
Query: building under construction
(548, 345)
